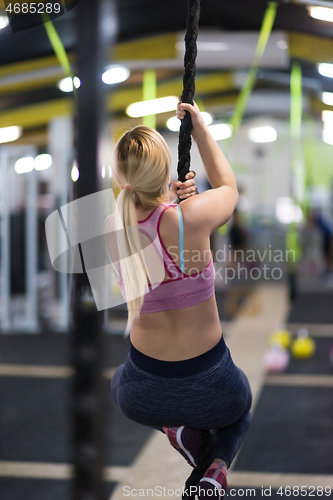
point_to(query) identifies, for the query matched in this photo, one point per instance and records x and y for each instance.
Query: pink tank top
(180, 290)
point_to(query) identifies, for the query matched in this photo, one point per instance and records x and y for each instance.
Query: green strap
(149, 93)
(58, 47)
(293, 242)
(297, 164)
(265, 31)
(296, 101)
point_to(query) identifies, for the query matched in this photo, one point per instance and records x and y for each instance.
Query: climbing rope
(184, 146)
(184, 157)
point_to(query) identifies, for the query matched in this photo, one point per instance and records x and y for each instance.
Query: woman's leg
(158, 401)
(228, 440)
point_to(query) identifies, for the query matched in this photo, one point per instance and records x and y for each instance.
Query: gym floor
(289, 444)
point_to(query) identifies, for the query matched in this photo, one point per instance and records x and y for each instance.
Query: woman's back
(183, 332)
(179, 376)
(190, 327)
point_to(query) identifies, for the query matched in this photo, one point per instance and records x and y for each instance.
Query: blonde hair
(143, 161)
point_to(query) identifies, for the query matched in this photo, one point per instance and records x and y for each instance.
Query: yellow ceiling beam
(39, 115)
(35, 115)
(317, 106)
(118, 100)
(156, 47)
(151, 48)
(226, 100)
(23, 86)
(302, 46)
(35, 138)
(311, 48)
(41, 63)
(205, 84)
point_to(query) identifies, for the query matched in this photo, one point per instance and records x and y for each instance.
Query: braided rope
(184, 146)
(184, 158)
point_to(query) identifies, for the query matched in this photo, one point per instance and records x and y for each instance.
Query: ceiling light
(9, 134)
(326, 69)
(282, 44)
(287, 211)
(174, 123)
(4, 21)
(207, 117)
(322, 13)
(327, 98)
(220, 131)
(153, 107)
(213, 46)
(116, 74)
(328, 135)
(327, 116)
(43, 162)
(66, 84)
(24, 165)
(263, 134)
(206, 46)
(75, 174)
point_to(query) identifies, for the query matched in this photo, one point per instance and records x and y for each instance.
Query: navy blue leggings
(205, 392)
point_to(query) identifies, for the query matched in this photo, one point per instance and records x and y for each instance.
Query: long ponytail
(132, 265)
(143, 161)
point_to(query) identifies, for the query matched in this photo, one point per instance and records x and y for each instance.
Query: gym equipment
(28, 322)
(303, 347)
(184, 146)
(277, 358)
(282, 336)
(96, 25)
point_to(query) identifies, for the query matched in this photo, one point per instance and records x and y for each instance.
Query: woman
(179, 376)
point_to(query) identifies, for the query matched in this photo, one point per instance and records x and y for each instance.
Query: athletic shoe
(186, 441)
(214, 483)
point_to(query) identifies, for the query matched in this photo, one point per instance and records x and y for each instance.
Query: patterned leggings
(205, 392)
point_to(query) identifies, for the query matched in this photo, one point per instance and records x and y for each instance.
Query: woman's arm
(214, 207)
(217, 167)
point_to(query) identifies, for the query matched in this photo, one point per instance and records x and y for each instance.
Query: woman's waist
(180, 333)
(179, 368)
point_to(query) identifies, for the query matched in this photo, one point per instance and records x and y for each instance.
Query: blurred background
(264, 82)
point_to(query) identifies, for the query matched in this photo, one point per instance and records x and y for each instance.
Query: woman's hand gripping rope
(185, 189)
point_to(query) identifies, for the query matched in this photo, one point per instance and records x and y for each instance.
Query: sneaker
(213, 485)
(186, 441)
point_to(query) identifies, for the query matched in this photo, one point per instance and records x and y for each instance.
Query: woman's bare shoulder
(209, 210)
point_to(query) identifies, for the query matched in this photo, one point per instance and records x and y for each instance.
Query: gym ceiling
(148, 34)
